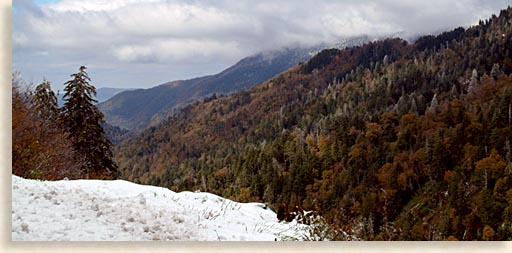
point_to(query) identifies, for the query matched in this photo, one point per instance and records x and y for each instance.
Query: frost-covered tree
(82, 120)
(473, 81)
(45, 102)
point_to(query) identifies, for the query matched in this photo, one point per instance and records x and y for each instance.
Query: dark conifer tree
(45, 102)
(82, 120)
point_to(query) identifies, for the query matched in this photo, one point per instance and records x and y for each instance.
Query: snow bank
(95, 210)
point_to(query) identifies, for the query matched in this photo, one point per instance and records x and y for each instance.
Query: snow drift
(95, 210)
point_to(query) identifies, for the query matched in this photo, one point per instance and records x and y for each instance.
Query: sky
(144, 43)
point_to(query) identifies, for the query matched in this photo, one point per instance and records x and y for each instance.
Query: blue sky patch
(40, 2)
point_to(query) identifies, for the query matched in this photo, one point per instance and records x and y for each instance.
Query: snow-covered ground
(95, 210)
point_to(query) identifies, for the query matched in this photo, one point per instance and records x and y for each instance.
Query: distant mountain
(137, 109)
(102, 94)
(106, 93)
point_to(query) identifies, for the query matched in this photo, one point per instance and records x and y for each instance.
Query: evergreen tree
(45, 102)
(82, 120)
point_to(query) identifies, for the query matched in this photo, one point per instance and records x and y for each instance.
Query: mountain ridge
(387, 140)
(140, 108)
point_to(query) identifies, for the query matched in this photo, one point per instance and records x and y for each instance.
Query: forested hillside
(387, 141)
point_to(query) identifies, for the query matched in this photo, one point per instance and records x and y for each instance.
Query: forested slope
(388, 140)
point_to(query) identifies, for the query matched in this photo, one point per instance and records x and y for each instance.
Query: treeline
(387, 141)
(53, 143)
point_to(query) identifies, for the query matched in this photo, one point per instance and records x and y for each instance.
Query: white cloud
(168, 33)
(134, 53)
(192, 51)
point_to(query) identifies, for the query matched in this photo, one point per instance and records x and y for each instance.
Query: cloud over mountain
(186, 38)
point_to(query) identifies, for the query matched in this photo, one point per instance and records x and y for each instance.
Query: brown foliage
(40, 149)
